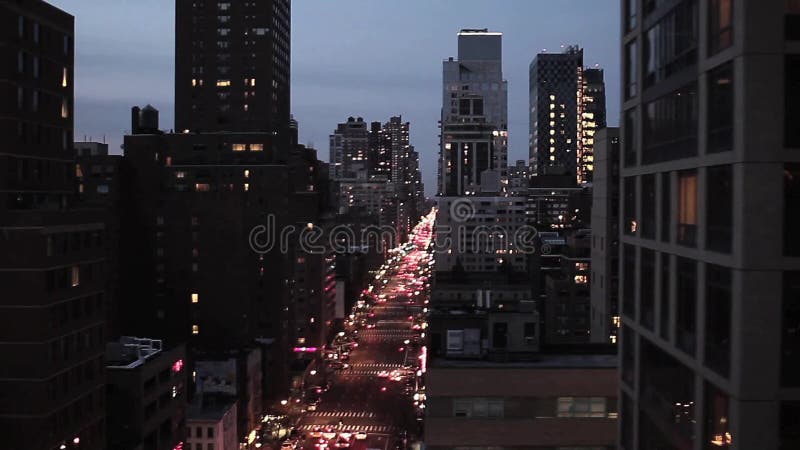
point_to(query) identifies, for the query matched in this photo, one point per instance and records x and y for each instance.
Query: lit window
(256, 147)
(202, 187)
(64, 108)
(239, 147)
(195, 329)
(223, 83)
(581, 279)
(247, 173)
(246, 107)
(247, 187)
(687, 207)
(64, 77)
(180, 174)
(582, 407)
(76, 276)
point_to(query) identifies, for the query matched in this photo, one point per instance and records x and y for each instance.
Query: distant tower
(556, 90)
(474, 117)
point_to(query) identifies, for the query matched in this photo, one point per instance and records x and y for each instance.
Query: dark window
(629, 141)
(646, 288)
(719, 208)
(791, 101)
(628, 413)
(718, 319)
(666, 206)
(789, 429)
(463, 107)
(720, 25)
(717, 428)
(630, 225)
(790, 342)
(500, 335)
(667, 395)
(210, 432)
(628, 355)
(671, 44)
(791, 209)
(648, 206)
(529, 330)
(665, 296)
(792, 26)
(477, 107)
(631, 70)
(630, 14)
(687, 208)
(720, 109)
(629, 283)
(670, 126)
(686, 306)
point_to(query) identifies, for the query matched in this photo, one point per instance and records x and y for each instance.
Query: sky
(373, 59)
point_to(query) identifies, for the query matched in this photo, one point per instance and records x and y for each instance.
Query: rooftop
(213, 410)
(131, 352)
(543, 361)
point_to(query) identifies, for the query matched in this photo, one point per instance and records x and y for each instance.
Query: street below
(374, 394)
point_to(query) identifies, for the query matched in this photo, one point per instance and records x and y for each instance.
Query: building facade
(559, 401)
(605, 237)
(52, 253)
(349, 149)
(232, 66)
(147, 391)
(709, 252)
(567, 106)
(474, 113)
(211, 423)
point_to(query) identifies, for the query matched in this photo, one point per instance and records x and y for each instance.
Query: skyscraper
(232, 66)
(710, 182)
(474, 120)
(593, 118)
(52, 254)
(349, 145)
(567, 105)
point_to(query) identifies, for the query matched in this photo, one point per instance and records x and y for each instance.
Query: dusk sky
(372, 59)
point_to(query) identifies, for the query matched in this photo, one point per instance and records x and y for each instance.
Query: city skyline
(121, 63)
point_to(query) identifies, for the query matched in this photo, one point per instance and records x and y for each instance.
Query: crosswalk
(385, 366)
(359, 373)
(354, 414)
(353, 428)
(379, 335)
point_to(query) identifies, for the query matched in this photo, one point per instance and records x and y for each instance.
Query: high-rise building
(52, 253)
(380, 151)
(349, 146)
(710, 189)
(554, 86)
(605, 237)
(232, 66)
(398, 134)
(567, 106)
(474, 119)
(593, 118)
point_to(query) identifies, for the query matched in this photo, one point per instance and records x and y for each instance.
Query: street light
(284, 402)
(313, 372)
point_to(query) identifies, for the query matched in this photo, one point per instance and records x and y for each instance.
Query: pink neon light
(305, 349)
(177, 366)
(423, 359)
